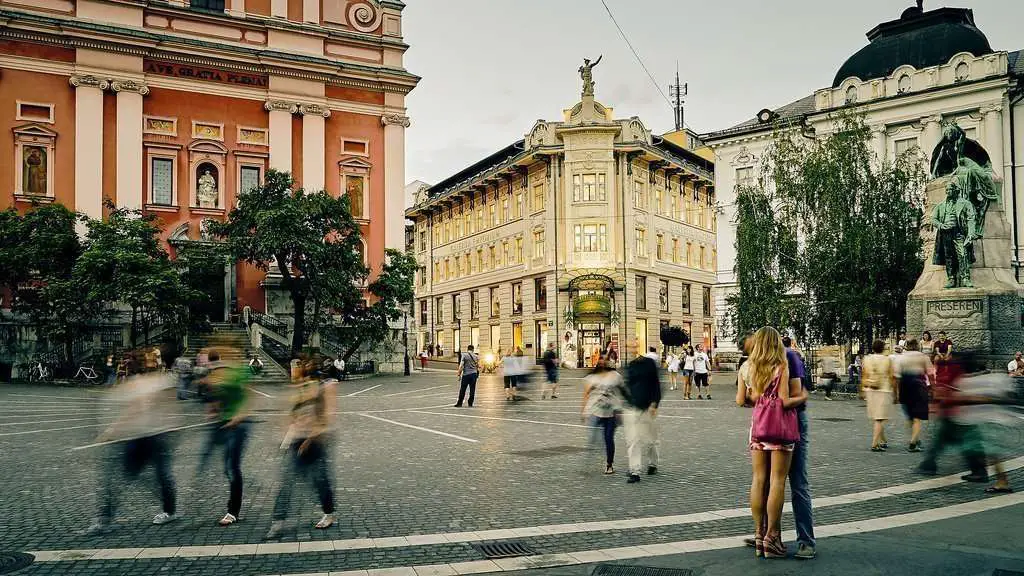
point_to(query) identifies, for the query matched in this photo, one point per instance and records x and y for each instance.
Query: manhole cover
(548, 452)
(835, 419)
(623, 570)
(1000, 572)
(14, 561)
(503, 549)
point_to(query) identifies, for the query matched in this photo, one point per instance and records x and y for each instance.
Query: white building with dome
(923, 69)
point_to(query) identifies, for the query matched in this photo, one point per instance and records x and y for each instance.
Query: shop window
(517, 298)
(540, 294)
(641, 292)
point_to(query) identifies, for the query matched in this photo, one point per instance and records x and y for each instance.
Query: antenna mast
(678, 93)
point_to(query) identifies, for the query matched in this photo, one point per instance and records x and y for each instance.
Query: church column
(279, 8)
(129, 142)
(89, 145)
(236, 7)
(394, 180)
(313, 145)
(932, 134)
(280, 133)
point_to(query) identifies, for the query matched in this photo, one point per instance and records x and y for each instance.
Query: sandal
(228, 520)
(999, 490)
(326, 522)
(774, 547)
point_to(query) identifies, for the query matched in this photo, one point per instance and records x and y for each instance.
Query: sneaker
(98, 528)
(804, 551)
(325, 522)
(228, 520)
(164, 518)
(633, 479)
(914, 447)
(829, 398)
(652, 470)
(709, 397)
(699, 397)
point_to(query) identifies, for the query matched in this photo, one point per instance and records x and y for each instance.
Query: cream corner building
(917, 72)
(590, 230)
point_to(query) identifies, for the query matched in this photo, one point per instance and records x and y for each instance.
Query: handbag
(772, 422)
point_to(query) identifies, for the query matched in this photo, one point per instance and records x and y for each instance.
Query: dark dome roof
(920, 39)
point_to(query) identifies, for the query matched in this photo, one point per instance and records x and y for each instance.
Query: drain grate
(548, 452)
(14, 561)
(835, 419)
(503, 549)
(625, 570)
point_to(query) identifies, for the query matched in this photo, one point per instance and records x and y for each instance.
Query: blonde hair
(766, 355)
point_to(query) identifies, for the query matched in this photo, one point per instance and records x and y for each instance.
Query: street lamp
(405, 342)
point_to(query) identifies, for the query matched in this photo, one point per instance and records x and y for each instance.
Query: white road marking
(58, 413)
(496, 418)
(580, 557)
(363, 390)
(97, 444)
(47, 421)
(51, 410)
(23, 432)
(91, 398)
(264, 394)
(419, 390)
(660, 414)
(420, 428)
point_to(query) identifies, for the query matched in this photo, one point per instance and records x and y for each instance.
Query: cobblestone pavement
(406, 464)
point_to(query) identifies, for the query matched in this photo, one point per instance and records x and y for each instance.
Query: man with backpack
(468, 373)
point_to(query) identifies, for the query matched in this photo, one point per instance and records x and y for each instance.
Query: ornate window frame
(356, 167)
(20, 117)
(248, 160)
(202, 152)
(169, 152)
(365, 143)
(36, 135)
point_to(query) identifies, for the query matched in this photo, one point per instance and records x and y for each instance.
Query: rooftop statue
(586, 73)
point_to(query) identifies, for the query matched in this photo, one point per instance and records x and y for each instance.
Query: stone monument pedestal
(987, 318)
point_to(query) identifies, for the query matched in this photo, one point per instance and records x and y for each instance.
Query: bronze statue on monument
(587, 74)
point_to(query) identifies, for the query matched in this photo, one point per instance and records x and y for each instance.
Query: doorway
(590, 343)
(211, 283)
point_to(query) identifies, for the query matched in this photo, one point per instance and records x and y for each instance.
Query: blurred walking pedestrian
(184, 373)
(603, 402)
(227, 386)
(912, 391)
(468, 373)
(949, 430)
(876, 389)
(639, 416)
(983, 399)
(308, 439)
(550, 372)
(510, 375)
(138, 438)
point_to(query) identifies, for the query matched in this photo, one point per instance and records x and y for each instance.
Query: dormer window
(851, 95)
(903, 84)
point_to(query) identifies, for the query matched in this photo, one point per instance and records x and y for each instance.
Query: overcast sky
(491, 68)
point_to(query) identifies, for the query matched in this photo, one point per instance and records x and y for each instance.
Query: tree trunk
(298, 336)
(135, 328)
(352, 349)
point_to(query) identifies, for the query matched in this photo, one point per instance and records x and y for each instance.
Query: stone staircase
(235, 346)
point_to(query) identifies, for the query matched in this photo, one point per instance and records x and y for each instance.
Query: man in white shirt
(1016, 366)
(701, 371)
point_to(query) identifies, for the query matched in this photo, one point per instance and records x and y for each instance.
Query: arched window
(851, 95)
(903, 84)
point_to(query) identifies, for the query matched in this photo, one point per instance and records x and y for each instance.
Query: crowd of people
(142, 434)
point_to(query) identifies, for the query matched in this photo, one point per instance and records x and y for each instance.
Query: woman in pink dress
(764, 371)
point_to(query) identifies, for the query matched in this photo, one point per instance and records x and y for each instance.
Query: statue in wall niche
(586, 73)
(965, 161)
(206, 192)
(955, 221)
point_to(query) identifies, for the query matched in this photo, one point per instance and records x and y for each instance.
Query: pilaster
(280, 137)
(313, 145)
(394, 179)
(129, 142)
(88, 145)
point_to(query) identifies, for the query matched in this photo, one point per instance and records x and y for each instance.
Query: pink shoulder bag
(772, 422)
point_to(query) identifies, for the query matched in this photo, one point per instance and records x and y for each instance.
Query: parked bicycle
(86, 372)
(39, 372)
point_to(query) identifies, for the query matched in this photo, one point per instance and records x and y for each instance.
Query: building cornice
(69, 33)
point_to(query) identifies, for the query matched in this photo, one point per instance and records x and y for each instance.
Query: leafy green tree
(309, 238)
(828, 239)
(124, 261)
(38, 253)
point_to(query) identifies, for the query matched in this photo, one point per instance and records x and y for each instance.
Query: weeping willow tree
(828, 238)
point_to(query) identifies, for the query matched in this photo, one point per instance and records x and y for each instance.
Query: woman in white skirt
(876, 388)
(672, 364)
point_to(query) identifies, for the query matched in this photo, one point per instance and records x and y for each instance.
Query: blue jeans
(800, 487)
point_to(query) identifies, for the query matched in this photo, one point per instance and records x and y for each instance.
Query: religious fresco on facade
(34, 170)
(354, 190)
